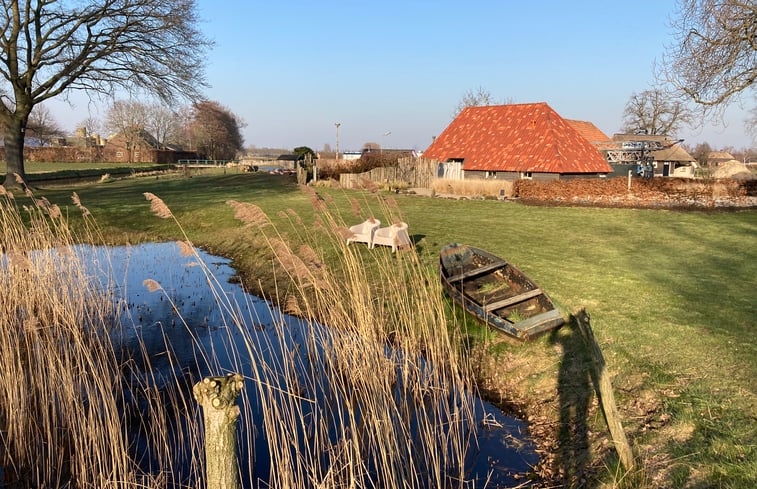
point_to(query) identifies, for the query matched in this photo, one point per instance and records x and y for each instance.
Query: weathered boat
(496, 292)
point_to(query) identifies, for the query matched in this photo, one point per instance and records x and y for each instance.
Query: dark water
(187, 334)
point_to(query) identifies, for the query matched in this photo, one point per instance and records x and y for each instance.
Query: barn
(516, 141)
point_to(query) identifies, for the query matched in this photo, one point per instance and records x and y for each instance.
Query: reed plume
(77, 202)
(295, 216)
(355, 206)
(151, 285)
(186, 248)
(54, 211)
(157, 206)
(249, 213)
(290, 262)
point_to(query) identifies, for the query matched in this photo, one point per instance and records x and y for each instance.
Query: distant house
(141, 147)
(290, 160)
(516, 141)
(674, 161)
(717, 158)
(667, 157)
(131, 147)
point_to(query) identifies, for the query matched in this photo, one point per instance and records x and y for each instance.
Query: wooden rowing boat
(496, 292)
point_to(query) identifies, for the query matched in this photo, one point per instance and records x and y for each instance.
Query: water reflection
(187, 331)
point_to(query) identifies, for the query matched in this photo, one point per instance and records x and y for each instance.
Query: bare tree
(476, 98)
(90, 127)
(215, 131)
(52, 47)
(701, 153)
(751, 123)
(654, 112)
(714, 59)
(163, 123)
(42, 126)
(127, 119)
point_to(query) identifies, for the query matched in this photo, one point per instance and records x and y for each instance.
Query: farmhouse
(591, 132)
(717, 158)
(139, 146)
(516, 141)
(666, 156)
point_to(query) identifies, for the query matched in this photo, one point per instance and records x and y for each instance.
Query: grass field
(37, 171)
(671, 295)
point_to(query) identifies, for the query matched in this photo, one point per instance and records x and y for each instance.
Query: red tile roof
(588, 130)
(517, 137)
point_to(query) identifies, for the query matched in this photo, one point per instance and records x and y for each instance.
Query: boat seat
(512, 300)
(478, 271)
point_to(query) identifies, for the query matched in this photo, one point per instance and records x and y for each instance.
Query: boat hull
(496, 292)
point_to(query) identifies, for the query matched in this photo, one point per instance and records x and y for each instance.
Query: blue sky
(291, 68)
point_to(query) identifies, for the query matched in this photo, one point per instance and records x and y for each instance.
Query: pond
(200, 322)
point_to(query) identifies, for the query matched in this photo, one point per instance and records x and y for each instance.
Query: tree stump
(218, 398)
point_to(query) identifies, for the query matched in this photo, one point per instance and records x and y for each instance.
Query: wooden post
(603, 386)
(218, 398)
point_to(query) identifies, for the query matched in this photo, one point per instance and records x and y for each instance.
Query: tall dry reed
(57, 411)
(380, 394)
(62, 406)
(377, 398)
(473, 187)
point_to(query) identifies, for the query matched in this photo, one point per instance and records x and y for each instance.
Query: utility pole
(381, 149)
(336, 124)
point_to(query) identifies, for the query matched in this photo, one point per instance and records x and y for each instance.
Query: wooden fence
(413, 172)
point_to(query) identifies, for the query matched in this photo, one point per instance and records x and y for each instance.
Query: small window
(119, 154)
(526, 175)
(491, 174)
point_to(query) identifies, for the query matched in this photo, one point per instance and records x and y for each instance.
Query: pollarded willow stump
(218, 398)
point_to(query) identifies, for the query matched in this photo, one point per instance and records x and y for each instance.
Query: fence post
(218, 398)
(603, 386)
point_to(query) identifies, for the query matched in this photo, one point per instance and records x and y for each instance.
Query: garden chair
(363, 232)
(395, 236)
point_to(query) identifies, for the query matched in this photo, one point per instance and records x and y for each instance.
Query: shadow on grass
(574, 389)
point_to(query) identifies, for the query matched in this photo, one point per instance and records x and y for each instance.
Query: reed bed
(380, 395)
(68, 393)
(379, 398)
(473, 187)
(58, 415)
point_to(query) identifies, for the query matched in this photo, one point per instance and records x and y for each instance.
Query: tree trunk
(218, 398)
(14, 152)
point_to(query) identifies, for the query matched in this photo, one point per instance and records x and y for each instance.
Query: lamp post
(337, 124)
(381, 151)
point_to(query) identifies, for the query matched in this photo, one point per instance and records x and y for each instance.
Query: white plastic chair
(363, 232)
(395, 236)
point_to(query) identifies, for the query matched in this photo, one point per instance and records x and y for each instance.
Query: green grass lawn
(37, 171)
(671, 294)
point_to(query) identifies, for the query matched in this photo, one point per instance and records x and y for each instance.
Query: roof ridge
(517, 138)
